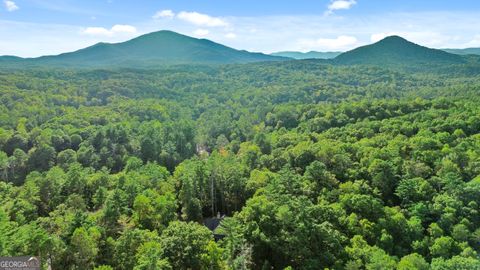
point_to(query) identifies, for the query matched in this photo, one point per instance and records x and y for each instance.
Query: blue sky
(39, 27)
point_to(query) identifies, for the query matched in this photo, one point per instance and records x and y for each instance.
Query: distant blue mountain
(466, 51)
(397, 51)
(307, 55)
(163, 47)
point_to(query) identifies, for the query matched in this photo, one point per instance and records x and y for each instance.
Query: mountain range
(330, 55)
(467, 51)
(167, 47)
(307, 55)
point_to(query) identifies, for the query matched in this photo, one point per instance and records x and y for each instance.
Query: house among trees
(213, 223)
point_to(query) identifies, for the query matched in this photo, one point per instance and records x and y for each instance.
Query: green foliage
(413, 261)
(185, 245)
(312, 165)
(153, 211)
(149, 257)
(444, 247)
(84, 247)
(456, 262)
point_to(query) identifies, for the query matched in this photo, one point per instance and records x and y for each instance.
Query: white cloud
(338, 43)
(231, 35)
(123, 28)
(340, 4)
(201, 19)
(10, 5)
(97, 31)
(201, 32)
(116, 29)
(475, 42)
(167, 13)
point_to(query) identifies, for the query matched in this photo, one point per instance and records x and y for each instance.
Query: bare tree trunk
(212, 194)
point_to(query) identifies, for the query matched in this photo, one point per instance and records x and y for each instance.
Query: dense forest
(311, 166)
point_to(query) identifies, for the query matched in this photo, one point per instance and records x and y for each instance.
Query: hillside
(307, 55)
(97, 164)
(163, 47)
(397, 51)
(465, 51)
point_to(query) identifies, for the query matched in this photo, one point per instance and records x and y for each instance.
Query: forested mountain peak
(157, 48)
(395, 50)
(395, 40)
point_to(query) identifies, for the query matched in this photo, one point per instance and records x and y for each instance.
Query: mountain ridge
(395, 50)
(161, 47)
(465, 51)
(168, 47)
(307, 55)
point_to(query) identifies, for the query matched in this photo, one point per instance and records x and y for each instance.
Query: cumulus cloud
(200, 19)
(338, 43)
(96, 31)
(123, 28)
(116, 29)
(340, 4)
(167, 13)
(10, 5)
(201, 32)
